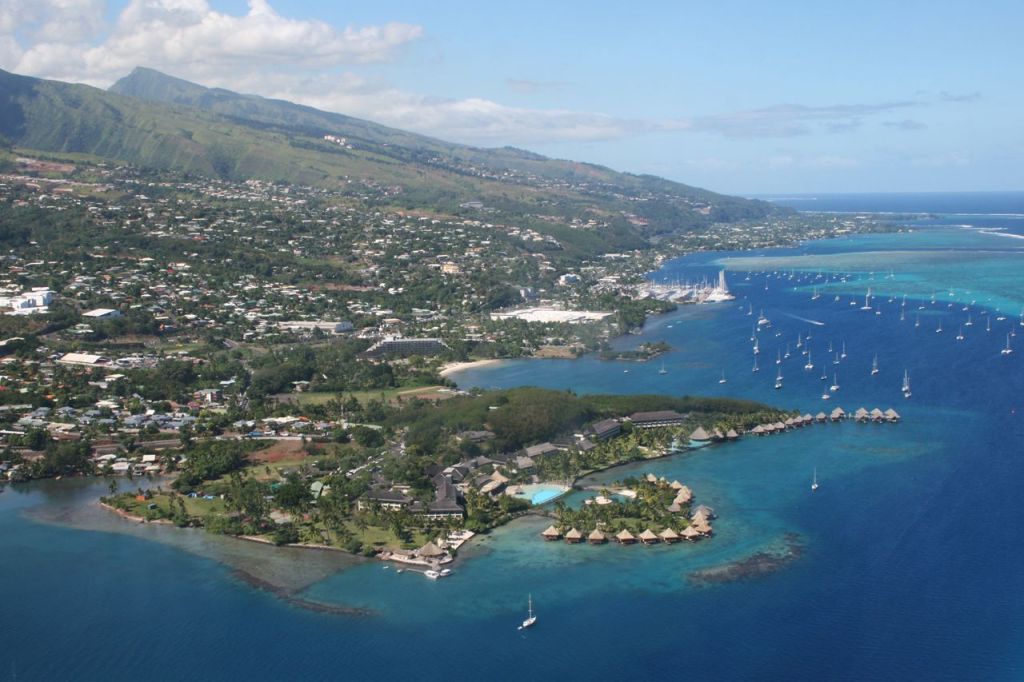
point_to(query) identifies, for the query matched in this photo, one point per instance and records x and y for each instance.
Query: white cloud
(265, 53)
(789, 120)
(68, 39)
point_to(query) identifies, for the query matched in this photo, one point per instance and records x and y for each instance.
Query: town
(277, 351)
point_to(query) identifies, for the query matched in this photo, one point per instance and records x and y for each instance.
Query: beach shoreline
(454, 367)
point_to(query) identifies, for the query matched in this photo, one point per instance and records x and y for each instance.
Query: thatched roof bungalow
(731, 434)
(699, 435)
(705, 510)
(861, 414)
(574, 537)
(821, 417)
(837, 414)
(702, 527)
(551, 533)
(892, 415)
(430, 551)
(669, 536)
(596, 537)
(690, 534)
(648, 537)
(624, 537)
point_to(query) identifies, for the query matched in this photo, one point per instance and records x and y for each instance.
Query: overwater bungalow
(877, 415)
(684, 495)
(675, 485)
(821, 417)
(789, 422)
(699, 435)
(624, 537)
(702, 527)
(648, 537)
(861, 415)
(892, 415)
(757, 430)
(574, 537)
(690, 534)
(705, 511)
(837, 415)
(731, 434)
(551, 533)
(596, 537)
(669, 536)
(779, 426)
(808, 419)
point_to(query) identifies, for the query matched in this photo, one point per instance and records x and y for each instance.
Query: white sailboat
(722, 380)
(810, 365)
(906, 384)
(1007, 350)
(662, 370)
(756, 368)
(874, 366)
(960, 334)
(778, 379)
(814, 481)
(778, 358)
(835, 383)
(843, 354)
(530, 618)
(867, 301)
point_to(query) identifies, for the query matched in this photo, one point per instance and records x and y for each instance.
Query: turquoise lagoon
(904, 564)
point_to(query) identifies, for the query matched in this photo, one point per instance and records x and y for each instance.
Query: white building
(102, 313)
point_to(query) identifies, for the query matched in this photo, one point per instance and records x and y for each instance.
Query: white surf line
(804, 319)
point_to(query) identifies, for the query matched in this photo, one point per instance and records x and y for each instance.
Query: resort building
(653, 420)
(606, 429)
(311, 325)
(402, 347)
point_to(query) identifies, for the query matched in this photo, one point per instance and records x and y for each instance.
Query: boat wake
(816, 323)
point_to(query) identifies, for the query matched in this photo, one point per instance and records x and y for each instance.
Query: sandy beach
(453, 367)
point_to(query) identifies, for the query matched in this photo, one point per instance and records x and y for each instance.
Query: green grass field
(384, 395)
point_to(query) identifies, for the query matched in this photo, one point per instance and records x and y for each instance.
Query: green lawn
(193, 506)
(385, 395)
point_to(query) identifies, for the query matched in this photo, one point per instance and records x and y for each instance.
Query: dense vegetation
(159, 122)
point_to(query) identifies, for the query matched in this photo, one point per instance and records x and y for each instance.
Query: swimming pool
(539, 493)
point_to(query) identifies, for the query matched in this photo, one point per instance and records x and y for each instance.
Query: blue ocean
(904, 565)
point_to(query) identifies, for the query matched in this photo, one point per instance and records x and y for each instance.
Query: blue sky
(743, 97)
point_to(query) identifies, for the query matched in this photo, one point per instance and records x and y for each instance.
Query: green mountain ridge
(157, 121)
